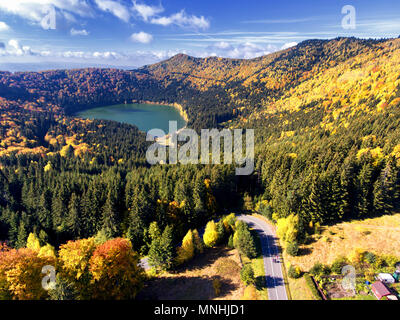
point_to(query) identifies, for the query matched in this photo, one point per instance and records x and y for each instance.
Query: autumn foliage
(115, 271)
(21, 274)
(106, 271)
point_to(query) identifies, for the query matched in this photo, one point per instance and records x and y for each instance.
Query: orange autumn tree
(21, 274)
(115, 271)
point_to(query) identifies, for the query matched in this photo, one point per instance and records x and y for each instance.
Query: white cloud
(289, 45)
(245, 50)
(75, 32)
(15, 49)
(142, 37)
(36, 10)
(182, 19)
(114, 7)
(4, 26)
(146, 11)
(14, 52)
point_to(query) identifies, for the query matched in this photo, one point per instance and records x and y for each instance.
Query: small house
(386, 278)
(380, 291)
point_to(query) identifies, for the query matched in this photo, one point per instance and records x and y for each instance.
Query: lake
(144, 116)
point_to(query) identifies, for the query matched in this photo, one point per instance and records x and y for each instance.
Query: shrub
(294, 272)
(319, 269)
(369, 275)
(251, 293)
(292, 248)
(370, 257)
(390, 260)
(379, 263)
(357, 256)
(221, 232)
(247, 274)
(217, 287)
(229, 222)
(230, 242)
(338, 264)
(265, 209)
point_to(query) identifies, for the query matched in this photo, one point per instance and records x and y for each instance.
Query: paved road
(273, 270)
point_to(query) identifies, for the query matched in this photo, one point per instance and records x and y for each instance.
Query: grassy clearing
(380, 235)
(195, 280)
(299, 289)
(259, 273)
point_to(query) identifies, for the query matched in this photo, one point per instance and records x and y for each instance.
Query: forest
(326, 117)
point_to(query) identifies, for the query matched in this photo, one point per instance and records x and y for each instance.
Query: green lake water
(144, 116)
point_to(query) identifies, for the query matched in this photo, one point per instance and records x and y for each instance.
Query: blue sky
(132, 33)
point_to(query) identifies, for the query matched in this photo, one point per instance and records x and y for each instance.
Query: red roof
(380, 290)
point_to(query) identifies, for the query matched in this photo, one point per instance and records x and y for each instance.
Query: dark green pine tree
(386, 192)
(136, 231)
(199, 195)
(183, 196)
(318, 200)
(91, 212)
(22, 235)
(59, 208)
(44, 210)
(73, 219)
(13, 222)
(364, 191)
(338, 198)
(162, 250)
(245, 241)
(109, 218)
(349, 190)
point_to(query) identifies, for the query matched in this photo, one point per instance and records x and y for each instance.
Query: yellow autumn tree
(198, 242)
(211, 234)
(47, 251)
(187, 250)
(73, 258)
(288, 228)
(23, 273)
(47, 167)
(33, 242)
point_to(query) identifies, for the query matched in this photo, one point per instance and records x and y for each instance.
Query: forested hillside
(325, 113)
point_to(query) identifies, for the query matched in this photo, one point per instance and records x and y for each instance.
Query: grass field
(194, 281)
(299, 289)
(380, 235)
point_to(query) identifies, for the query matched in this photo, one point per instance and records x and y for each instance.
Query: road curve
(273, 270)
